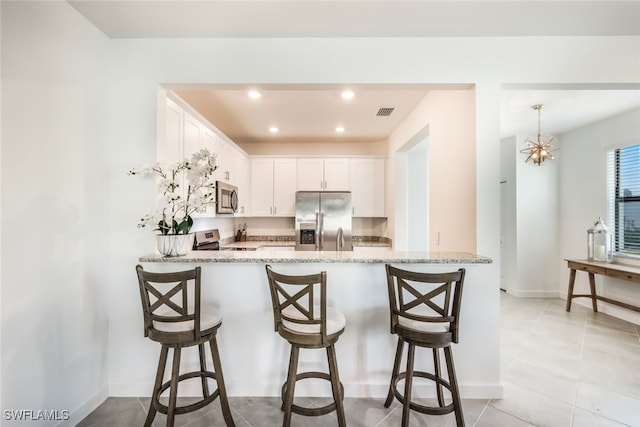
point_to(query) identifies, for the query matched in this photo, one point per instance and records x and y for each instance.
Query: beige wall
(449, 116)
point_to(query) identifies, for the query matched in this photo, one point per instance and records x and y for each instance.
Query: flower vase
(174, 244)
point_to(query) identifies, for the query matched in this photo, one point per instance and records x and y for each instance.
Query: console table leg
(594, 298)
(572, 282)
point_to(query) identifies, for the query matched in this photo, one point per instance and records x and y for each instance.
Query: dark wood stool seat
(425, 308)
(302, 317)
(176, 319)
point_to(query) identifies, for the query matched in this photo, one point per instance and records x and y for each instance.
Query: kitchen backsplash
(280, 226)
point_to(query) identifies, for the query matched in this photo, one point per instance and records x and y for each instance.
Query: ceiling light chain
(540, 150)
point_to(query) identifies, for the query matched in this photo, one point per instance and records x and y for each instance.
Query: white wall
(79, 130)
(55, 229)
(532, 222)
(508, 259)
(583, 198)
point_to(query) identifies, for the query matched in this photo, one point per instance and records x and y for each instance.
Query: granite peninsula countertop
(275, 256)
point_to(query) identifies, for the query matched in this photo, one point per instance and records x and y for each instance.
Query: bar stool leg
(291, 384)
(222, 390)
(394, 374)
(203, 368)
(455, 393)
(156, 387)
(173, 388)
(408, 380)
(436, 367)
(335, 385)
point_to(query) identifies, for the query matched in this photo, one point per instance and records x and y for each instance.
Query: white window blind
(623, 194)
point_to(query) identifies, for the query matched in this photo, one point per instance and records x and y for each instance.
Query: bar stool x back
(174, 317)
(302, 317)
(425, 310)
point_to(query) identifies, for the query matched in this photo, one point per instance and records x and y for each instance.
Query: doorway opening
(412, 194)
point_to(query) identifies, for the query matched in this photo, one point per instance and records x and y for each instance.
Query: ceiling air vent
(385, 111)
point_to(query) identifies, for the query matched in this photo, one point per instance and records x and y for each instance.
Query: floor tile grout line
(481, 413)
(386, 416)
(575, 392)
(240, 415)
(512, 415)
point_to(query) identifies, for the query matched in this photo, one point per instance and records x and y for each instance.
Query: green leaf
(164, 227)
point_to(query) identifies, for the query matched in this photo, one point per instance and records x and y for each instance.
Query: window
(624, 199)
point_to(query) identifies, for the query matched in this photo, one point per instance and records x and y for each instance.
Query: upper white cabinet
(193, 130)
(226, 161)
(182, 133)
(323, 174)
(273, 187)
(243, 181)
(169, 149)
(367, 187)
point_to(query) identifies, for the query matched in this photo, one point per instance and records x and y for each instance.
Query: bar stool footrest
(164, 409)
(312, 412)
(431, 410)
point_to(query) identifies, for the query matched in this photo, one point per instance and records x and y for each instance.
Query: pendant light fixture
(540, 150)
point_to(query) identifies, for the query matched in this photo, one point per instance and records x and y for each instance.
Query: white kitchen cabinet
(192, 136)
(169, 148)
(183, 132)
(273, 187)
(209, 140)
(367, 187)
(226, 161)
(323, 174)
(243, 181)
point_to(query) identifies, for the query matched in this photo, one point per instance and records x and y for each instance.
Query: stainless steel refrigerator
(323, 221)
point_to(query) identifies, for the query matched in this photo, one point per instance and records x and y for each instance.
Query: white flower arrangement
(175, 207)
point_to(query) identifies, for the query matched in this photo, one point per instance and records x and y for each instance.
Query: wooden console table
(619, 271)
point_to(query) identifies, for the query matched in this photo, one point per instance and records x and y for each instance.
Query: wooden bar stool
(425, 308)
(304, 320)
(173, 316)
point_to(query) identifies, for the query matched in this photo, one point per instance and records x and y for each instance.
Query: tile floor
(560, 369)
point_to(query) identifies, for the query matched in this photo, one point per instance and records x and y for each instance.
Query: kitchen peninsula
(356, 285)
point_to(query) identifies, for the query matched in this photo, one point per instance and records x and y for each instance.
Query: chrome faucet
(339, 239)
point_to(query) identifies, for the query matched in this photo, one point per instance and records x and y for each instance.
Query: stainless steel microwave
(226, 198)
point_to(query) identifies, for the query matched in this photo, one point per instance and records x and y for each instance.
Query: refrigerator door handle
(321, 234)
(317, 231)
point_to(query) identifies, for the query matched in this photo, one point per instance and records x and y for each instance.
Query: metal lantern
(599, 243)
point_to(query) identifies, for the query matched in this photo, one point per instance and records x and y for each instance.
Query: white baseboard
(85, 409)
(537, 294)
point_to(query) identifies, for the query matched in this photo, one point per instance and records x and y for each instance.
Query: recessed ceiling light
(340, 129)
(254, 94)
(273, 129)
(347, 94)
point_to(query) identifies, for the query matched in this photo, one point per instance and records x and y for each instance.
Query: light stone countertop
(251, 245)
(275, 256)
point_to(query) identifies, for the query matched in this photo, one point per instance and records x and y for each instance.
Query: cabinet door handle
(275, 210)
(321, 185)
(270, 210)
